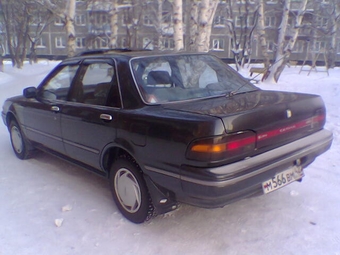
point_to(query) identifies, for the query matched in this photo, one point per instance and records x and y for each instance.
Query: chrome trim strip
(311, 144)
(65, 141)
(81, 147)
(44, 134)
(159, 171)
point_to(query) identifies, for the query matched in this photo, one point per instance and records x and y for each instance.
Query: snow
(49, 206)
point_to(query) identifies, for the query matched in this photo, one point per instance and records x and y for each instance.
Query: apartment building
(137, 27)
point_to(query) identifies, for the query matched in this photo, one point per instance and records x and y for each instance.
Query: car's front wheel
(18, 141)
(129, 190)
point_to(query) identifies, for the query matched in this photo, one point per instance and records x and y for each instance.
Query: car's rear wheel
(18, 141)
(129, 190)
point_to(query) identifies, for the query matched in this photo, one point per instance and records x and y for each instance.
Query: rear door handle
(55, 108)
(106, 117)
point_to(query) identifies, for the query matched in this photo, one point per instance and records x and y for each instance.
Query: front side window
(58, 85)
(177, 78)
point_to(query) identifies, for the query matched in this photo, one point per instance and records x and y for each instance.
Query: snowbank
(51, 207)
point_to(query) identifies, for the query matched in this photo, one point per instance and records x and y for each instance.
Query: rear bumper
(218, 186)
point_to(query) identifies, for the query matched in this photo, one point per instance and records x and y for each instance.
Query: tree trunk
(335, 26)
(70, 31)
(262, 34)
(284, 49)
(178, 25)
(193, 25)
(113, 24)
(206, 16)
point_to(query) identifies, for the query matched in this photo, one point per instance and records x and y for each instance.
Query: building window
(147, 43)
(168, 43)
(80, 20)
(321, 22)
(60, 42)
(80, 42)
(147, 20)
(40, 43)
(271, 46)
(58, 21)
(245, 1)
(319, 46)
(219, 21)
(244, 21)
(218, 44)
(270, 21)
(37, 20)
(101, 43)
(166, 17)
(100, 18)
(238, 21)
(338, 46)
(298, 47)
(124, 43)
(126, 19)
(250, 21)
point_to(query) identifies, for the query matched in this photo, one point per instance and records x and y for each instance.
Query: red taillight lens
(225, 147)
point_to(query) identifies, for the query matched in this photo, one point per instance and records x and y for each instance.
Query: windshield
(183, 77)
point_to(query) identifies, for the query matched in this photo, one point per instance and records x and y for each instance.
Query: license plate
(282, 179)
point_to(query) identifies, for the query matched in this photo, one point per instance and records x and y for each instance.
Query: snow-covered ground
(302, 218)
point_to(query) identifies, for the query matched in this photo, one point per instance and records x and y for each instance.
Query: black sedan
(168, 128)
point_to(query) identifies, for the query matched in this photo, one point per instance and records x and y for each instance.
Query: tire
(18, 141)
(129, 190)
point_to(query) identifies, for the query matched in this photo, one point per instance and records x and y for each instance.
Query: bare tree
(241, 24)
(178, 24)
(334, 19)
(207, 9)
(192, 22)
(284, 48)
(262, 34)
(66, 12)
(40, 18)
(16, 21)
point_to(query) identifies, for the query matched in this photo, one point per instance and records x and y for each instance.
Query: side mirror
(30, 92)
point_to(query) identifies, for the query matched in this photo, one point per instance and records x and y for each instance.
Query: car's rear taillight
(319, 119)
(238, 145)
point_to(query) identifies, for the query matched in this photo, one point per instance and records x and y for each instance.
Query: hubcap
(127, 190)
(16, 139)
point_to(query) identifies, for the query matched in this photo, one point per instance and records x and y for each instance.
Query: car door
(89, 118)
(42, 114)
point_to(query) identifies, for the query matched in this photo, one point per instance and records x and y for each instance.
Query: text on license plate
(282, 179)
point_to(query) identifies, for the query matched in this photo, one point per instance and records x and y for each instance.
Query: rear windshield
(174, 78)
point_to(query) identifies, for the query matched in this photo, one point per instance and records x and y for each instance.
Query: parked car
(168, 128)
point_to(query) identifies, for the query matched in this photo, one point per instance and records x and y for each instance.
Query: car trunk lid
(275, 117)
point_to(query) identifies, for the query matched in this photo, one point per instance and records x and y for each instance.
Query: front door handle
(106, 117)
(55, 108)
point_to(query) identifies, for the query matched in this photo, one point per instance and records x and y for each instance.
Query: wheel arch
(111, 153)
(9, 117)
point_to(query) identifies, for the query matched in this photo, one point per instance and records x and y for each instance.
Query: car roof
(129, 53)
